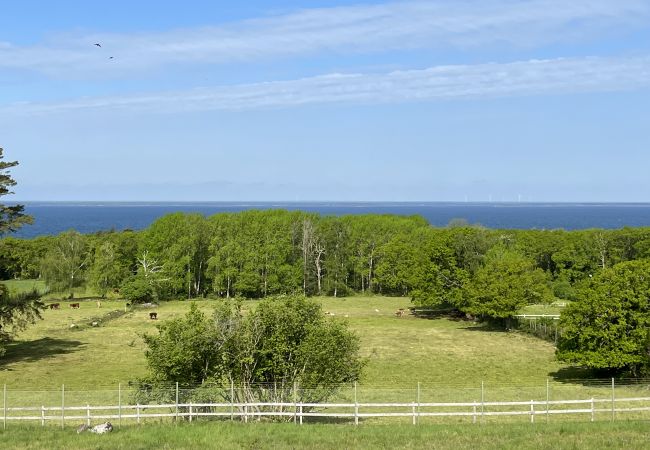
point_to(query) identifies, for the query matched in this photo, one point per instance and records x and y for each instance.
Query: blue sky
(539, 100)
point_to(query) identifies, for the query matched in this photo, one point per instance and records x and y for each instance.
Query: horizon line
(297, 202)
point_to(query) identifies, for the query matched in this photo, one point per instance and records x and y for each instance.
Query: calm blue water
(53, 218)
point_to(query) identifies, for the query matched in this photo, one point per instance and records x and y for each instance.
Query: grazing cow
(74, 305)
(54, 306)
(400, 312)
(153, 316)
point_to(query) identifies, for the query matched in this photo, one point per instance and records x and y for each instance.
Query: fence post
(356, 405)
(42, 415)
(548, 397)
(63, 406)
(613, 401)
(300, 413)
(418, 421)
(474, 411)
(246, 412)
(119, 405)
(176, 418)
(4, 407)
(295, 402)
(88, 414)
(592, 409)
(137, 412)
(482, 401)
(232, 400)
(190, 412)
(532, 411)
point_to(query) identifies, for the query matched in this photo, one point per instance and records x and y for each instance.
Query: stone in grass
(102, 428)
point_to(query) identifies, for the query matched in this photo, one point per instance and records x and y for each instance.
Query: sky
(440, 100)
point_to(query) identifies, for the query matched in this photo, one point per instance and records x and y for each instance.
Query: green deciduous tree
(436, 279)
(282, 350)
(64, 266)
(107, 271)
(506, 282)
(608, 326)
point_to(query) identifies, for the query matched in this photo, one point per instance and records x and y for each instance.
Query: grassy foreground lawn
(623, 435)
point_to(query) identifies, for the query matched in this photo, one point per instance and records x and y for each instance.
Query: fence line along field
(69, 408)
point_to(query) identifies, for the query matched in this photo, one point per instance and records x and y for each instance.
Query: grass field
(629, 435)
(400, 351)
(451, 360)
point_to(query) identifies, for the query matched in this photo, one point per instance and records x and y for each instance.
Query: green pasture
(601, 435)
(435, 360)
(401, 351)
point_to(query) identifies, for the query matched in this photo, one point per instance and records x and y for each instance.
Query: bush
(283, 350)
(138, 290)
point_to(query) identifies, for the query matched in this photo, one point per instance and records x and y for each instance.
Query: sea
(87, 217)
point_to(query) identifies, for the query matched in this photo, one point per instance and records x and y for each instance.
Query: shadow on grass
(581, 375)
(29, 351)
(485, 326)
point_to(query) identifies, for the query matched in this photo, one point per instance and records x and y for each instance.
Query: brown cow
(153, 316)
(54, 305)
(74, 305)
(400, 312)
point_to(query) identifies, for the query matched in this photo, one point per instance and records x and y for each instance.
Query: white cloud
(523, 78)
(367, 28)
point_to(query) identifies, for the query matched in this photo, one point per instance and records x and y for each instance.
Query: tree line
(255, 254)
(484, 273)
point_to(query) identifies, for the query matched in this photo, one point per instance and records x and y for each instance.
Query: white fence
(586, 409)
(580, 399)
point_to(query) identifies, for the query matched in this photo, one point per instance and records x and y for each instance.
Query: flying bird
(98, 45)
(110, 57)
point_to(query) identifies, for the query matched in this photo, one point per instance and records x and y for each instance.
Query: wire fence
(577, 400)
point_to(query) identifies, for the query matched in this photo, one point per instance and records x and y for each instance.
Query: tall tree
(607, 328)
(16, 311)
(64, 266)
(11, 217)
(507, 282)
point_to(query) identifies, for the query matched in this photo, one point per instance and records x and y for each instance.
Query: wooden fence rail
(356, 411)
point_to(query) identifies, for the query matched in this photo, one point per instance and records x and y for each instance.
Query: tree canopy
(16, 311)
(608, 326)
(283, 346)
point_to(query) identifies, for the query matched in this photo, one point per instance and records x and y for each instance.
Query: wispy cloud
(523, 78)
(366, 28)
